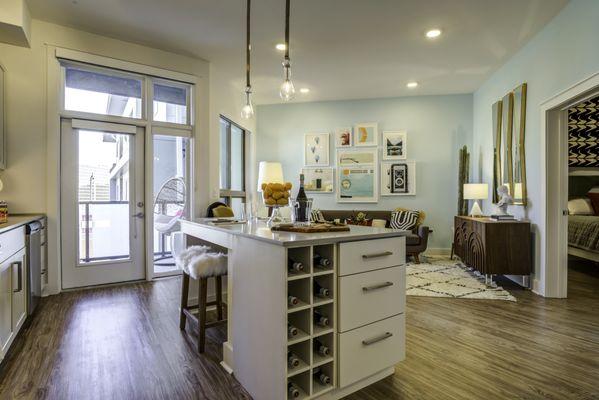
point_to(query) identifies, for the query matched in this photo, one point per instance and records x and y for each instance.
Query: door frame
(88, 272)
(553, 279)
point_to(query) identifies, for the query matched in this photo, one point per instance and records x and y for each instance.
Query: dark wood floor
(124, 343)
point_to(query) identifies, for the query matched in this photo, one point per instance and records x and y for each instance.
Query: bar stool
(200, 263)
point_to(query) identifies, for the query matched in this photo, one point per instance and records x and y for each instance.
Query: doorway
(102, 203)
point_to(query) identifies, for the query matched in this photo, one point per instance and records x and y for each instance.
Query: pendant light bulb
(287, 91)
(247, 111)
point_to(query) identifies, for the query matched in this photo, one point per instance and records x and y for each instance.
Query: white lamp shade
(269, 172)
(476, 191)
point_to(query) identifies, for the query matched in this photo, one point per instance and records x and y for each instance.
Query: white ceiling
(340, 49)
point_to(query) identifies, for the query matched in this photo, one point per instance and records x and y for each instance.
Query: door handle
(378, 286)
(384, 336)
(376, 255)
(19, 265)
(139, 215)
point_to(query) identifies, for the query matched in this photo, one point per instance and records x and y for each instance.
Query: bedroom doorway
(555, 249)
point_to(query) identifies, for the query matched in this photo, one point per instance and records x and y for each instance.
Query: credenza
(493, 247)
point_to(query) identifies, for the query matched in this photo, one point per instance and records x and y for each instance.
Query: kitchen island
(364, 307)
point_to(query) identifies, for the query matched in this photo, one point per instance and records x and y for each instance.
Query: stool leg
(219, 297)
(203, 297)
(184, 297)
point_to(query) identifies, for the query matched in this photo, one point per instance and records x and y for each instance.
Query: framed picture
(343, 137)
(318, 180)
(357, 184)
(366, 134)
(394, 145)
(353, 157)
(316, 149)
(398, 178)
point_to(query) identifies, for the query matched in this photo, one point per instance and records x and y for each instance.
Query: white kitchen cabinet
(5, 306)
(19, 290)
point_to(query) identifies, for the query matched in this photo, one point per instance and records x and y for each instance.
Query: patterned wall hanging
(583, 134)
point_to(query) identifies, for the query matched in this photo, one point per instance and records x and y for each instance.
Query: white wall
(562, 54)
(437, 127)
(29, 182)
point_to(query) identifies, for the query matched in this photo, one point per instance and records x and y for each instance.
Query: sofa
(416, 242)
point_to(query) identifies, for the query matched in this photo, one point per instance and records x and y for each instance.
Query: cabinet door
(19, 290)
(5, 305)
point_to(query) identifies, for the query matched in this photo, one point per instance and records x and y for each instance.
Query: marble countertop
(259, 231)
(14, 221)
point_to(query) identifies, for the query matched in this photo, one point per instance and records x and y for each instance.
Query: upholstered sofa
(416, 242)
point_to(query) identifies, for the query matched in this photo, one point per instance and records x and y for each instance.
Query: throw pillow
(223, 212)
(580, 207)
(593, 194)
(404, 219)
(317, 216)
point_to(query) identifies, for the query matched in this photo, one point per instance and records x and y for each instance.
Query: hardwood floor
(124, 342)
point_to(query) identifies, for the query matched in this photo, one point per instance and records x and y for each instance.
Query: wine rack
(301, 316)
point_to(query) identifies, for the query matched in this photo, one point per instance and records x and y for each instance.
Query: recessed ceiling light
(304, 90)
(412, 85)
(280, 46)
(433, 33)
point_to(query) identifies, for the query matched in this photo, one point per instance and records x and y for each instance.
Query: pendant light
(247, 111)
(287, 90)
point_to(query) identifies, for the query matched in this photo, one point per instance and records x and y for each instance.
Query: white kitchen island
(366, 307)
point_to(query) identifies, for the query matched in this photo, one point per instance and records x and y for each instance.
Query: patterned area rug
(442, 277)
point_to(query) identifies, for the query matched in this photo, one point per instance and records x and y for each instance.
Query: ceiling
(340, 49)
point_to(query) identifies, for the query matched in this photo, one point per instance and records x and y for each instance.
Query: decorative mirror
(496, 148)
(518, 184)
(2, 120)
(509, 166)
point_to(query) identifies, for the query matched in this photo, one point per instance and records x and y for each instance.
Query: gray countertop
(259, 231)
(14, 221)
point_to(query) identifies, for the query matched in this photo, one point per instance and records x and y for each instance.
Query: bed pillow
(580, 207)
(404, 219)
(593, 195)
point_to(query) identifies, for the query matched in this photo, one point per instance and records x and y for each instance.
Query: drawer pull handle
(377, 255)
(377, 286)
(384, 336)
(19, 265)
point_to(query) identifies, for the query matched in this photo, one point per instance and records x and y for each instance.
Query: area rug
(442, 277)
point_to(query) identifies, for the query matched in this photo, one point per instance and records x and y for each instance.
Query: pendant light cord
(247, 48)
(287, 11)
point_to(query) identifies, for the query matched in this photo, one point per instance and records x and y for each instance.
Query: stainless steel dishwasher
(34, 264)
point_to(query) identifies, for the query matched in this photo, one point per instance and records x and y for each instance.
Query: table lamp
(476, 191)
(269, 172)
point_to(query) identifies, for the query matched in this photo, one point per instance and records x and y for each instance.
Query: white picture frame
(395, 145)
(385, 178)
(366, 134)
(353, 157)
(357, 184)
(326, 175)
(316, 150)
(344, 137)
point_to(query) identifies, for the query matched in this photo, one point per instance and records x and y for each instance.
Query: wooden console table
(493, 247)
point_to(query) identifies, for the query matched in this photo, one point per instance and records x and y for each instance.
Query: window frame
(189, 100)
(226, 194)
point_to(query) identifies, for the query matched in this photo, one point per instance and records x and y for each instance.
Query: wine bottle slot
(321, 348)
(320, 319)
(292, 301)
(292, 331)
(320, 291)
(320, 261)
(292, 360)
(322, 377)
(293, 390)
(295, 266)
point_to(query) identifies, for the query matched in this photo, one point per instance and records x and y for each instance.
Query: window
(170, 102)
(232, 164)
(102, 91)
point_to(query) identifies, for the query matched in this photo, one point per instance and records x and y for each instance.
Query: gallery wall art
(316, 149)
(318, 180)
(357, 176)
(398, 178)
(366, 134)
(352, 157)
(395, 145)
(343, 137)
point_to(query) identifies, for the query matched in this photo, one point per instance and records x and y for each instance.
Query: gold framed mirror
(518, 184)
(497, 107)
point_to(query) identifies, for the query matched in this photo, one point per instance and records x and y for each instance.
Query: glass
(102, 93)
(170, 168)
(103, 195)
(237, 205)
(170, 102)
(301, 211)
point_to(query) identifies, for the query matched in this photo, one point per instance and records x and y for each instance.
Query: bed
(583, 236)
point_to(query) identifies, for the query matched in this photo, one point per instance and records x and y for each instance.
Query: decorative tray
(312, 228)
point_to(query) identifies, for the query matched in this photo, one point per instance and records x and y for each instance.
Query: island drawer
(370, 349)
(368, 255)
(11, 242)
(371, 296)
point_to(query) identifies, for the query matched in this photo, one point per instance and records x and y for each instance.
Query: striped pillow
(317, 216)
(404, 219)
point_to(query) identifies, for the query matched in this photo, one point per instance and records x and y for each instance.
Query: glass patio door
(102, 203)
